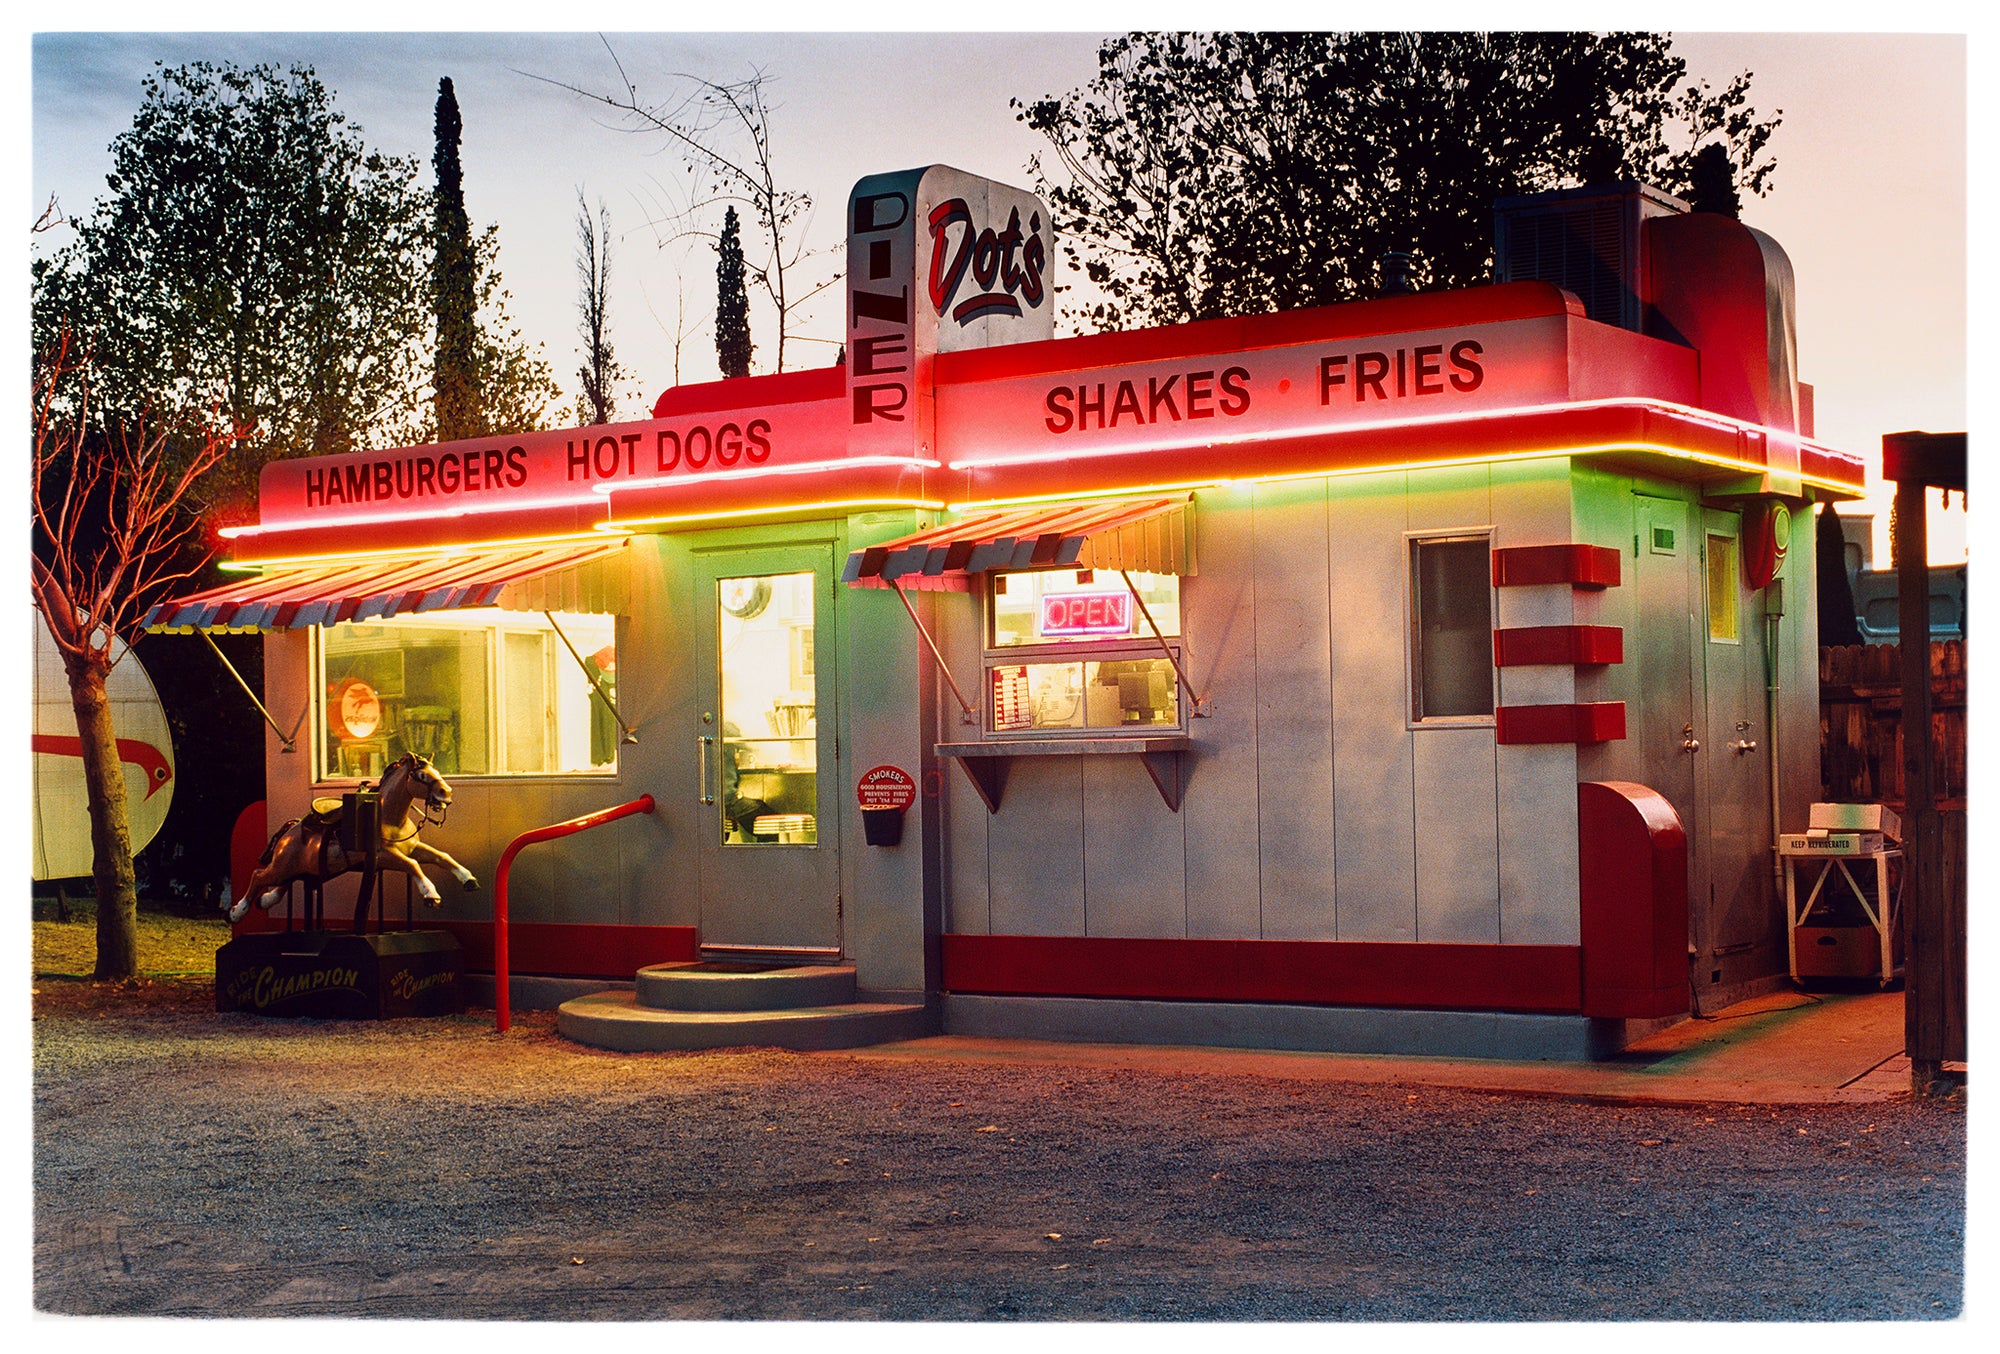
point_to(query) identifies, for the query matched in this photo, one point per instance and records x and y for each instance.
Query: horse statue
(413, 795)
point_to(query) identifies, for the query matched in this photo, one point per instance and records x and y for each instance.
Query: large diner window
(478, 693)
(1070, 651)
(1451, 628)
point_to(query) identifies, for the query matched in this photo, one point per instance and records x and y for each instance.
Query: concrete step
(616, 1020)
(712, 986)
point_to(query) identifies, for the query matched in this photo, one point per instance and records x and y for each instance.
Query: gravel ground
(191, 1164)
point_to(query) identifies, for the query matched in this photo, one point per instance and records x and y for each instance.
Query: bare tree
(722, 132)
(110, 534)
(600, 373)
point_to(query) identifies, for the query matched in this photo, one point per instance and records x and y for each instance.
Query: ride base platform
(341, 975)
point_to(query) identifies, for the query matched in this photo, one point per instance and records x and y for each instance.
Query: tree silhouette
(1201, 175)
(732, 301)
(600, 372)
(455, 379)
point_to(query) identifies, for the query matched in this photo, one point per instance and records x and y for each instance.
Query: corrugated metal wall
(1311, 809)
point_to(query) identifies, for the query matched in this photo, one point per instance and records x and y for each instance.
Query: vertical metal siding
(1536, 801)
(1219, 807)
(1295, 789)
(1374, 811)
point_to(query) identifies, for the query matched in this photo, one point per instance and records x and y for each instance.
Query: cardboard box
(1855, 818)
(1839, 952)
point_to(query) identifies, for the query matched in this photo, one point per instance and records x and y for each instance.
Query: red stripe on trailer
(1529, 645)
(1527, 978)
(1580, 566)
(1588, 722)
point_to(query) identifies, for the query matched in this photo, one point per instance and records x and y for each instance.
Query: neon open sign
(1086, 613)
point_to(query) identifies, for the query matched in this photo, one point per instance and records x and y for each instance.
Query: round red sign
(886, 787)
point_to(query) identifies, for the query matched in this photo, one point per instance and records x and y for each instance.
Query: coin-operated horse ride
(353, 974)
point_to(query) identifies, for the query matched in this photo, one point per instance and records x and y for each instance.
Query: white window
(1074, 651)
(479, 693)
(1451, 628)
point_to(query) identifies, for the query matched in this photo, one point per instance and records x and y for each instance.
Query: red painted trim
(1530, 645)
(1580, 566)
(1389, 315)
(1541, 978)
(305, 541)
(1632, 856)
(554, 949)
(747, 392)
(752, 494)
(1589, 722)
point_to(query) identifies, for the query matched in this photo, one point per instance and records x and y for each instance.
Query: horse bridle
(426, 775)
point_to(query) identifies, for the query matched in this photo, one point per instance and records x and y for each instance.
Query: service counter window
(478, 693)
(1451, 629)
(1071, 651)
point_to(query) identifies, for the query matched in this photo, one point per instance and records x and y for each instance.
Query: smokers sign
(886, 787)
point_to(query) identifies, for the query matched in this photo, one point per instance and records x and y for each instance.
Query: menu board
(1011, 706)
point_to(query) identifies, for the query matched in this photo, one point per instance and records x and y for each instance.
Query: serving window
(1076, 651)
(480, 693)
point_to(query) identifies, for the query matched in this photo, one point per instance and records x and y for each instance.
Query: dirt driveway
(192, 1164)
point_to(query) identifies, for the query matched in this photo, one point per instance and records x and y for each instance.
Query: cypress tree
(732, 303)
(455, 376)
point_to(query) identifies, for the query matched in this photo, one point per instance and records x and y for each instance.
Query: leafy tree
(110, 533)
(732, 302)
(1200, 175)
(454, 379)
(250, 246)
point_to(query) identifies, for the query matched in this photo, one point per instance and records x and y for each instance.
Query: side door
(1673, 729)
(765, 740)
(1736, 765)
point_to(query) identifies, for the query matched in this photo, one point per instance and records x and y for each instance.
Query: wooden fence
(1861, 723)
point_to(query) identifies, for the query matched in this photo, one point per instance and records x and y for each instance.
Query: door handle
(1743, 745)
(707, 745)
(1689, 743)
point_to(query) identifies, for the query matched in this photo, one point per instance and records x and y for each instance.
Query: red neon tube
(502, 1007)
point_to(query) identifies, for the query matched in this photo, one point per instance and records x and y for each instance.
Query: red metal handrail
(502, 1012)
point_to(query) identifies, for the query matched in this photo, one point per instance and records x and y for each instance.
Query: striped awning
(1154, 535)
(589, 577)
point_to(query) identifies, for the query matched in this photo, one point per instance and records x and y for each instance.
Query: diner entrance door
(770, 832)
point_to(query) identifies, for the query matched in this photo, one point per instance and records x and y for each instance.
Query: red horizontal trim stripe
(1653, 436)
(750, 494)
(1590, 722)
(750, 392)
(1580, 566)
(1361, 319)
(1530, 645)
(1540, 978)
(420, 533)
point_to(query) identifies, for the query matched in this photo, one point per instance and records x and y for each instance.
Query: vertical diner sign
(937, 261)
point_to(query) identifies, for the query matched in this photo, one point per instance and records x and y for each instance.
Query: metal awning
(587, 577)
(1153, 535)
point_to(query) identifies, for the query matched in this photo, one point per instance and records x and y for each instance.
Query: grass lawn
(167, 944)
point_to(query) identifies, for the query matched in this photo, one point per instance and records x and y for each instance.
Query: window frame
(495, 624)
(1122, 648)
(1413, 544)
